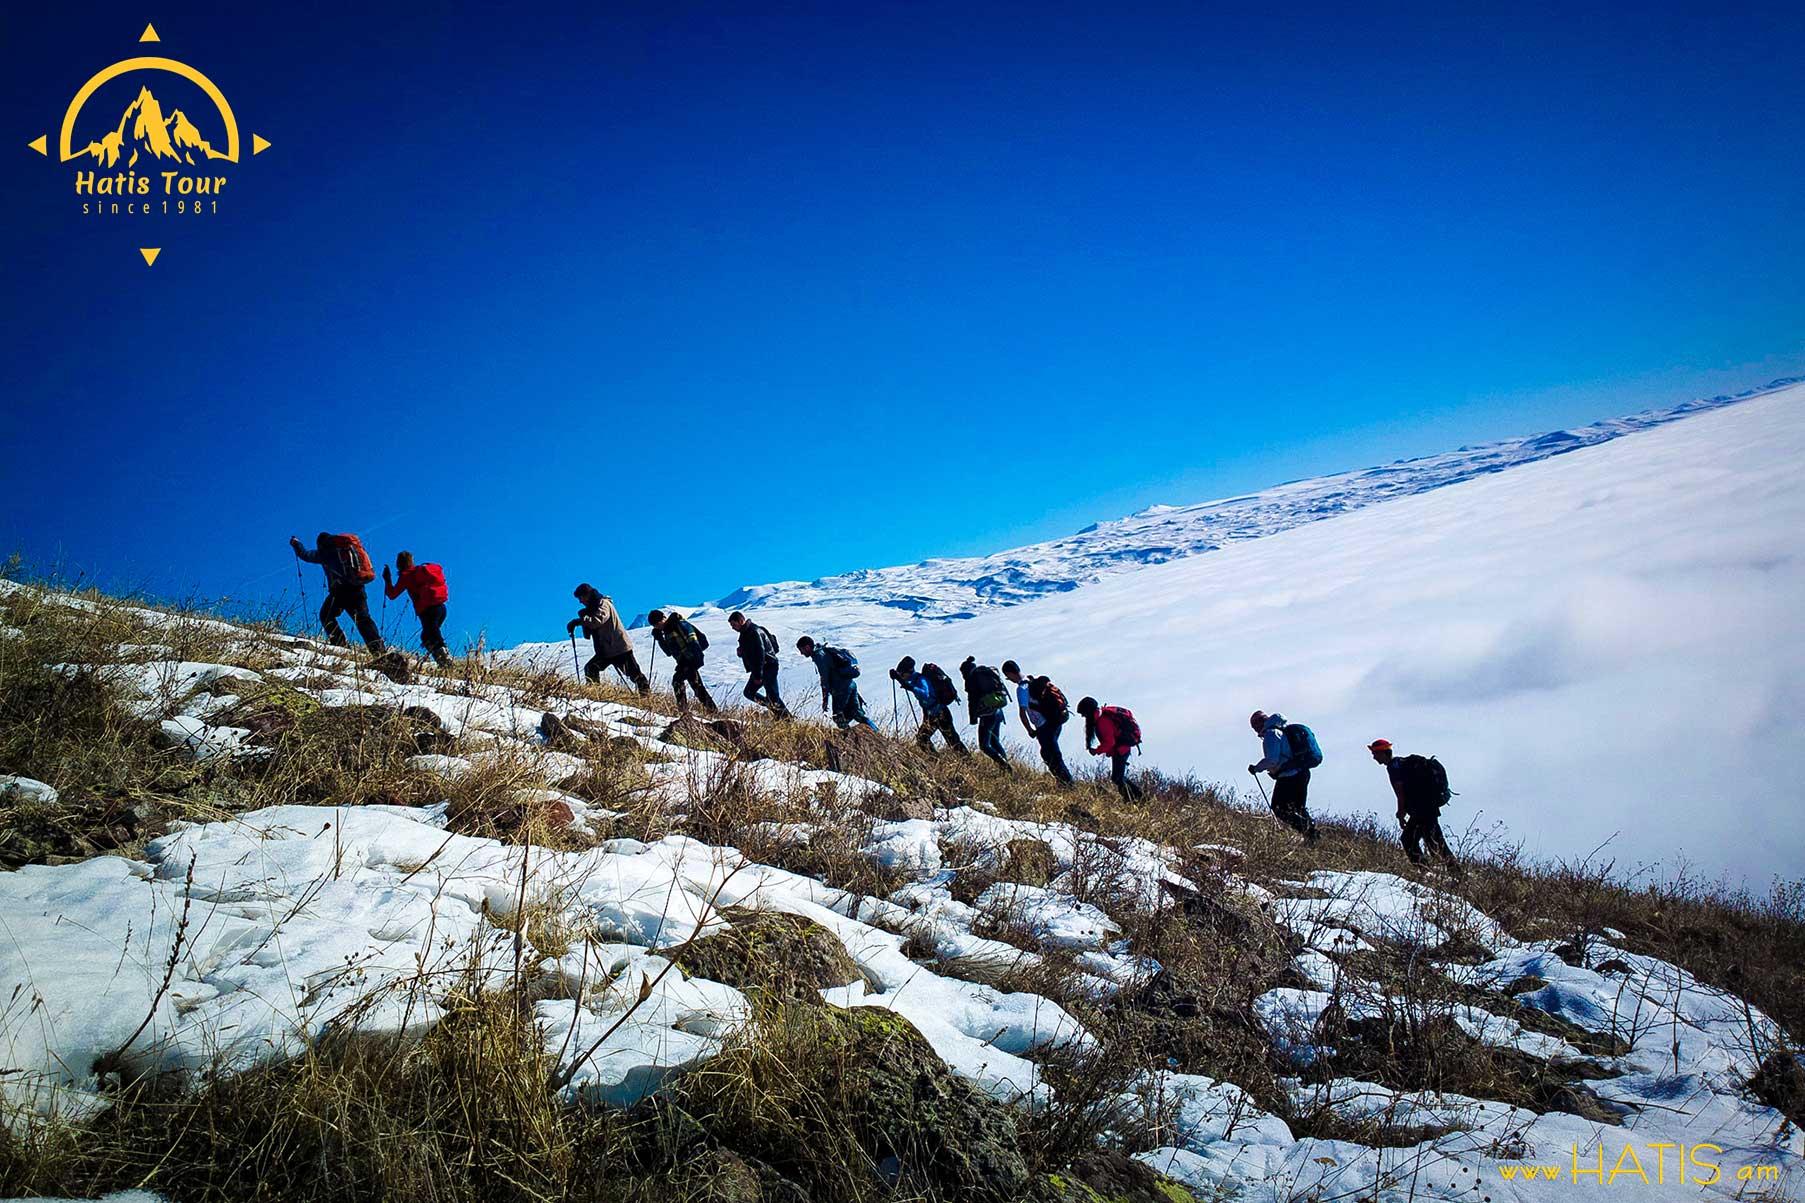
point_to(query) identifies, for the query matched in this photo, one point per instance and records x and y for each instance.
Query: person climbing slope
(679, 639)
(1113, 732)
(758, 652)
(425, 586)
(1420, 785)
(839, 669)
(1289, 752)
(1043, 711)
(936, 693)
(348, 571)
(613, 649)
(986, 699)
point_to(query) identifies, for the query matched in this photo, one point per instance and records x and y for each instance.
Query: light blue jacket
(1275, 749)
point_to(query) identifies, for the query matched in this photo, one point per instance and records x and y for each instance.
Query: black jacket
(753, 652)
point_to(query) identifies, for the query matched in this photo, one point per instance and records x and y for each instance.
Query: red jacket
(1106, 736)
(425, 584)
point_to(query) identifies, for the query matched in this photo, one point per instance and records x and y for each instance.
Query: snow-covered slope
(865, 607)
(1603, 644)
(238, 941)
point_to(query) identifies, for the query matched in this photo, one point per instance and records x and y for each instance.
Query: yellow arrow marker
(149, 34)
(150, 254)
(259, 144)
(40, 144)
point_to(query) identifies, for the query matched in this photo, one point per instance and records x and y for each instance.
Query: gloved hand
(294, 543)
(1254, 769)
(385, 575)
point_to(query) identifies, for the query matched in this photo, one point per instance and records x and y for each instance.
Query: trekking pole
(302, 582)
(575, 663)
(1262, 788)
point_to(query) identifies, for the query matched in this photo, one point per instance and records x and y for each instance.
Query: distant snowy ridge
(858, 608)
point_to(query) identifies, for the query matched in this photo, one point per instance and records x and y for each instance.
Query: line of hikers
(1288, 750)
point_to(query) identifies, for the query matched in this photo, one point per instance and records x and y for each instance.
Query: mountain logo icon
(151, 159)
(145, 132)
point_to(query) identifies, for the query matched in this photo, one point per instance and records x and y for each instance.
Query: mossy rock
(786, 955)
(1106, 1176)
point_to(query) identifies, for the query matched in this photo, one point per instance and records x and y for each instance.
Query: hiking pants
(940, 720)
(1047, 736)
(628, 664)
(766, 678)
(690, 675)
(432, 635)
(848, 706)
(990, 739)
(1290, 795)
(349, 599)
(1424, 827)
(1118, 773)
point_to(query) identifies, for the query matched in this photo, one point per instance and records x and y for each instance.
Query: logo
(168, 153)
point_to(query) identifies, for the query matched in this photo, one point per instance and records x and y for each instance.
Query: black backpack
(984, 681)
(1425, 781)
(844, 664)
(944, 691)
(1049, 700)
(767, 642)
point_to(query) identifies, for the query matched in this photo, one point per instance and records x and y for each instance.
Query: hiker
(758, 652)
(934, 690)
(1421, 786)
(1043, 713)
(679, 639)
(986, 699)
(601, 622)
(1289, 752)
(1113, 732)
(348, 570)
(425, 587)
(838, 668)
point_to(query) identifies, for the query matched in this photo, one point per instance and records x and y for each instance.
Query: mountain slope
(1604, 643)
(285, 928)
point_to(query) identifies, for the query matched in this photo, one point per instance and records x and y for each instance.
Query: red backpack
(352, 558)
(1128, 732)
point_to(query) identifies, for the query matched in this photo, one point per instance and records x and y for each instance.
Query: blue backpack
(1306, 753)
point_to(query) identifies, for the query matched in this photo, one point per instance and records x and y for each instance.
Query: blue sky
(679, 297)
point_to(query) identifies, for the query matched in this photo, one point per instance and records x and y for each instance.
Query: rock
(1780, 1083)
(786, 955)
(714, 735)
(893, 807)
(1527, 984)
(559, 734)
(394, 666)
(1106, 1176)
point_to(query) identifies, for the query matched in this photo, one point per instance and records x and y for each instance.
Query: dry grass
(466, 1113)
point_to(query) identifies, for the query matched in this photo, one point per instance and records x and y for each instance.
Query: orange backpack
(354, 560)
